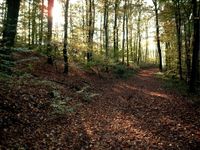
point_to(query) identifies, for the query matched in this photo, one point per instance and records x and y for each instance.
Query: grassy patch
(174, 84)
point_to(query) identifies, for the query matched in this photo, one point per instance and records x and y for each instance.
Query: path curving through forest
(136, 113)
(139, 114)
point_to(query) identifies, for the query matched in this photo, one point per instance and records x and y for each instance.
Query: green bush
(122, 71)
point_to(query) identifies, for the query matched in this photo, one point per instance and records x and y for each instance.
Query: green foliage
(60, 107)
(4, 76)
(59, 104)
(173, 83)
(30, 66)
(97, 61)
(122, 71)
(86, 94)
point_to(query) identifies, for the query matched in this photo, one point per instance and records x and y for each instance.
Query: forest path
(139, 114)
(102, 113)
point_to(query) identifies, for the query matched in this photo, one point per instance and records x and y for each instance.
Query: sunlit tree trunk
(139, 38)
(147, 43)
(33, 18)
(3, 15)
(49, 35)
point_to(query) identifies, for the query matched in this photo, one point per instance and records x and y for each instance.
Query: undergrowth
(122, 71)
(172, 83)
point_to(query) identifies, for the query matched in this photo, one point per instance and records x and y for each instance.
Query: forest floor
(44, 109)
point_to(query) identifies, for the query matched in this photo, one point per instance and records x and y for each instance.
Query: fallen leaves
(49, 111)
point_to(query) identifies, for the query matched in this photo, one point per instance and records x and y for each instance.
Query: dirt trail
(136, 113)
(140, 114)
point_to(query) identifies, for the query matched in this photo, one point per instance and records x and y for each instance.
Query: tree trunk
(49, 35)
(123, 39)
(147, 43)
(139, 38)
(10, 26)
(115, 36)
(33, 17)
(187, 30)
(195, 51)
(41, 24)
(179, 38)
(127, 39)
(29, 24)
(106, 28)
(9, 33)
(91, 23)
(155, 2)
(65, 55)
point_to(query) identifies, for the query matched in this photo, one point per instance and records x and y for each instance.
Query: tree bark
(41, 24)
(123, 30)
(10, 26)
(115, 36)
(91, 23)
(179, 37)
(65, 54)
(195, 51)
(127, 39)
(139, 38)
(155, 2)
(187, 30)
(106, 28)
(49, 35)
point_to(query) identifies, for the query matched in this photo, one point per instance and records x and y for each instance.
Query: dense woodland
(109, 32)
(93, 76)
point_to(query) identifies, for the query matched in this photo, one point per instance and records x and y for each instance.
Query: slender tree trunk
(33, 17)
(127, 39)
(116, 31)
(106, 29)
(65, 55)
(29, 24)
(187, 30)
(179, 37)
(135, 48)
(49, 35)
(101, 36)
(123, 39)
(91, 23)
(155, 2)
(139, 38)
(147, 43)
(41, 24)
(195, 51)
(131, 42)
